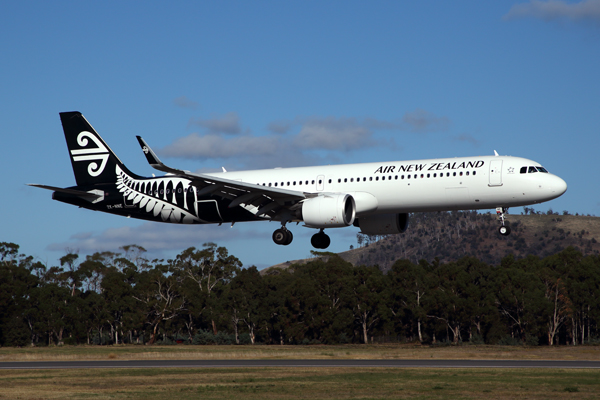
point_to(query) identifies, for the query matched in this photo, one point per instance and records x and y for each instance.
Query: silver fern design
(161, 197)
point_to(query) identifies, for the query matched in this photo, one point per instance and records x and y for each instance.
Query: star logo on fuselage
(511, 170)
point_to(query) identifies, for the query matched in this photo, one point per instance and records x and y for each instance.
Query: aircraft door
(495, 173)
(320, 183)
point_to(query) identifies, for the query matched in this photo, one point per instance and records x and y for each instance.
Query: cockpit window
(542, 169)
(523, 170)
(531, 170)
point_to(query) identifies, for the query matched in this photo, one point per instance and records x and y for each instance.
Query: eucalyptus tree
(409, 287)
(322, 293)
(583, 286)
(244, 302)
(520, 295)
(367, 303)
(555, 272)
(201, 274)
(158, 290)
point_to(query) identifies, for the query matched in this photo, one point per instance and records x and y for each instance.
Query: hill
(452, 235)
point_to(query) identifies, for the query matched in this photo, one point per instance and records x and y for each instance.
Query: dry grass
(387, 351)
(299, 383)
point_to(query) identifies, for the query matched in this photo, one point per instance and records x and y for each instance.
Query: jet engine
(329, 211)
(383, 224)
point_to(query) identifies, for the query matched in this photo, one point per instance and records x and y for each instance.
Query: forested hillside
(452, 235)
(203, 296)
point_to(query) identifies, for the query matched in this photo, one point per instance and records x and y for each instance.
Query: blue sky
(269, 83)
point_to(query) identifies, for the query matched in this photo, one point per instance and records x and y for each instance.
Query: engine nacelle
(383, 224)
(329, 211)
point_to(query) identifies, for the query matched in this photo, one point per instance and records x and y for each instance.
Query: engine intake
(383, 224)
(329, 211)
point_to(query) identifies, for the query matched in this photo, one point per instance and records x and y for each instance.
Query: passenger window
(370, 178)
(407, 176)
(345, 180)
(428, 175)
(460, 173)
(523, 170)
(383, 178)
(313, 182)
(454, 174)
(376, 178)
(474, 172)
(467, 173)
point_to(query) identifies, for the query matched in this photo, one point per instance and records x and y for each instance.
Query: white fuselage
(420, 185)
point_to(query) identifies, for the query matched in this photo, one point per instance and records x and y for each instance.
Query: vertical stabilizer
(93, 161)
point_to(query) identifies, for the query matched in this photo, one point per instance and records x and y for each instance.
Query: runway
(300, 364)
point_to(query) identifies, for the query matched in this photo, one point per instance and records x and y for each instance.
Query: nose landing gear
(320, 240)
(503, 230)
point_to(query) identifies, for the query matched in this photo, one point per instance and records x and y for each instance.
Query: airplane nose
(559, 186)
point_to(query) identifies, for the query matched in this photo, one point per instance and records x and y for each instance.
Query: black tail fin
(93, 161)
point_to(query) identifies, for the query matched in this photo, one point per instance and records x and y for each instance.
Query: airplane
(375, 197)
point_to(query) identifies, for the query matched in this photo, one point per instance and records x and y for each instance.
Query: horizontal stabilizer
(92, 196)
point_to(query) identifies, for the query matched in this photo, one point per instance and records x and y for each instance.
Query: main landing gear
(503, 230)
(320, 240)
(283, 236)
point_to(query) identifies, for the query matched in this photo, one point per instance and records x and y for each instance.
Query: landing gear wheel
(320, 240)
(282, 237)
(289, 237)
(504, 230)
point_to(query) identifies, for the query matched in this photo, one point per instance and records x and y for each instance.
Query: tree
(158, 290)
(201, 273)
(244, 299)
(520, 295)
(367, 303)
(408, 285)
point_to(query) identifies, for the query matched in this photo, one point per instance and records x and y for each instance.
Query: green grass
(300, 383)
(378, 351)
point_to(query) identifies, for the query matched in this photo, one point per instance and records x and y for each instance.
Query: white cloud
(228, 123)
(215, 146)
(184, 102)
(155, 237)
(333, 134)
(468, 139)
(423, 121)
(280, 127)
(294, 142)
(557, 10)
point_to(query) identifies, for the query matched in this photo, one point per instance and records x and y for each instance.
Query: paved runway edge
(301, 364)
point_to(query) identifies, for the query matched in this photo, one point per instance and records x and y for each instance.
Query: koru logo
(93, 154)
(145, 149)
